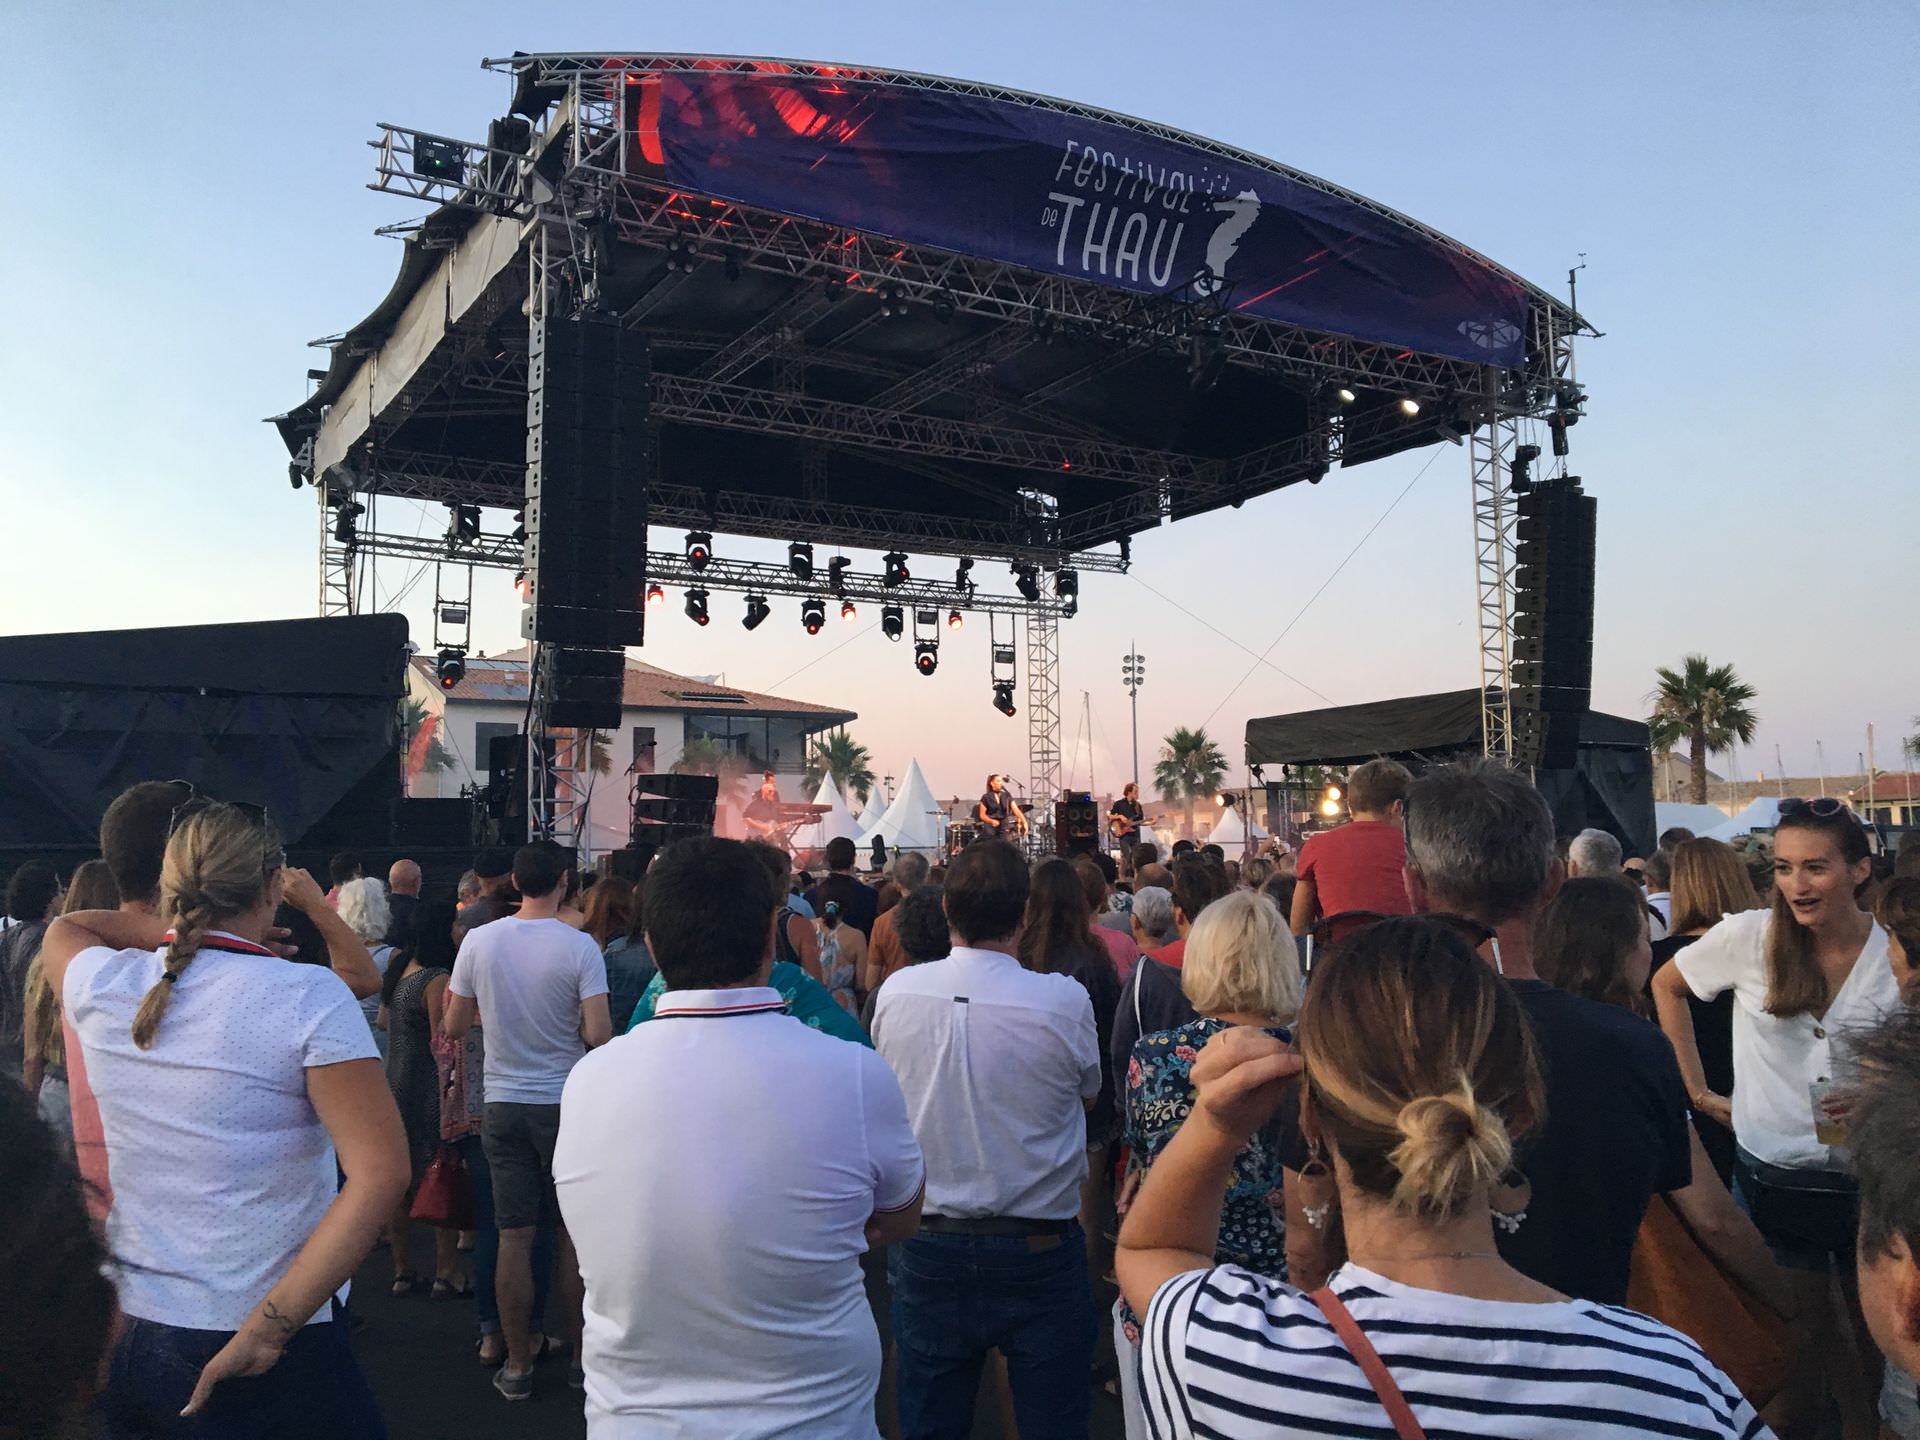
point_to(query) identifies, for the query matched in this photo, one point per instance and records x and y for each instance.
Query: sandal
(444, 1289)
(406, 1284)
(492, 1362)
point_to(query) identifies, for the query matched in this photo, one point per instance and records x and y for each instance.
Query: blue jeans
(955, 1297)
(486, 1246)
(315, 1391)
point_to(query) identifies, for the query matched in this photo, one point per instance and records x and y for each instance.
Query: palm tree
(600, 752)
(1190, 768)
(839, 755)
(1708, 706)
(413, 718)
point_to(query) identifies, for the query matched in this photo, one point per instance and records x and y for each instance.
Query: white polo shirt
(717, 1168)
(1776, 1058)
(995, 1061)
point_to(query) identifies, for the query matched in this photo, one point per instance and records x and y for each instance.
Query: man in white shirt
(721, 1170)
(1658, 869)
(998, 1065)
(539, 989)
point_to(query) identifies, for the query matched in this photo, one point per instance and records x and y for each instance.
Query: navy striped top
(1230, 1355)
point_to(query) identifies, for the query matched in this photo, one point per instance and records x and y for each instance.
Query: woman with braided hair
(235, 1092)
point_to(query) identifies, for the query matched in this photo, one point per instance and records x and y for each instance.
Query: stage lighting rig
(1003, 696)
(757, 610)
(450, 667)
(699, 550)
(960, 580)
(656, 597)
(696, 606)
(893, 621)
(926, 656)
(813, 614)
(837, 574)
(800, 560)
(463, 524)
(955, 619)
(896, 572)
(1409, 407)
(1027, 581)
(1066, 583)
(849, 612)
(1340, 396)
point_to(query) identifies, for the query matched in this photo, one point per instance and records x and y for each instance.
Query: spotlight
(1333, 792)
(849, 612)
(893, 621)
(1071, 608)
(1409, 407)
(464, 524)
(1329, 808)
(696, 606)
(955, 619)
(699, 550)
(451, 667)
(656, 597)
(1027, 581)
(1557, 429)
(800, 560)
(520, 583)
(960, 580)
(893, 300)
(896, 571)
(1066, 583)
(679, 255)
(813, 614)
(1220, 802)
(926, 656)
(1341, 395)
(1003, 696)
(837, 574)
(757, 610)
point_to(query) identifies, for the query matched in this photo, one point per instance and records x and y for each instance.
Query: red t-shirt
(1357, 867)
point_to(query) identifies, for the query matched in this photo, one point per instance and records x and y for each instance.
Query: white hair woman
(252, 1140)
(1241, 968)
(364, 908)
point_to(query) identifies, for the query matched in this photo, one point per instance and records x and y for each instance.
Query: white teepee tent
(838, 820)
(1230, 830)
(914, 821)
(876, 808)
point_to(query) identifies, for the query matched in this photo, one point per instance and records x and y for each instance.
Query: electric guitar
(1121, 829)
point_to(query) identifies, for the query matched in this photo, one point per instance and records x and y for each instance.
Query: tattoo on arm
(274, 1315)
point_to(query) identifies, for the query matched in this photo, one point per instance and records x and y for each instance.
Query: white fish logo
(1238, 215)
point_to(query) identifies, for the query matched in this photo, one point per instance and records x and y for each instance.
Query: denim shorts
(315, 1391)
(1807, 1217)
(518, 1141)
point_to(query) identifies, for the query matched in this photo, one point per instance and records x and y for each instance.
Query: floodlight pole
(1133, 670)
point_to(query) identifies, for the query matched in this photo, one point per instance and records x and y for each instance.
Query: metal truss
(1490, 453)
(1043, 709)
(338, 586)
(453, 479)
(670, 567)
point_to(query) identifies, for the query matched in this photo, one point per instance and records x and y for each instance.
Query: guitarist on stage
(762, 814)
(1125, 819)
(997, 813)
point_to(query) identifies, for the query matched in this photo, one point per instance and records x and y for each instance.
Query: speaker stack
(505, 798)
(666, 809)
(1076, 824)
(589, 459)
(1553, 622)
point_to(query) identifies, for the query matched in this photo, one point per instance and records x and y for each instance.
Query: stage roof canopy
(893, 309)
(1438, 725)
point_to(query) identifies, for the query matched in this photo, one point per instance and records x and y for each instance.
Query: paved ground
(419, 1355)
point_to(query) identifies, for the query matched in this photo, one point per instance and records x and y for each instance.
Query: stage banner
(1080, 197)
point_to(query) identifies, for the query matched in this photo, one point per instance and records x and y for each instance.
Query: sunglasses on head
(1825, 807)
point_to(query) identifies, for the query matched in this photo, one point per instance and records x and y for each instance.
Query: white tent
(876, 808)
(1698, 818)
(1230, 830)
(914, 821)
(1760, 814)
(838, 821)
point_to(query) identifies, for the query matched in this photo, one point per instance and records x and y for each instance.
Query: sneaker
(577, 1377)
(512, 1386)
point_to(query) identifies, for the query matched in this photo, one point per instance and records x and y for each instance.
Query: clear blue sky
(187, 209)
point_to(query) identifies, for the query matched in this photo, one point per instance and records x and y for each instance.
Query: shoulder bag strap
(1371, 1365)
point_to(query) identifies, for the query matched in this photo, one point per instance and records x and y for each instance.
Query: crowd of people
(1443, 1126)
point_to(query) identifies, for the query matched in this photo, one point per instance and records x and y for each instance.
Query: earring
(1509, 1200)
(1317, 1193)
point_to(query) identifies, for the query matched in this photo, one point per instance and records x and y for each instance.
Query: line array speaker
(1553, 621)
(589, 461)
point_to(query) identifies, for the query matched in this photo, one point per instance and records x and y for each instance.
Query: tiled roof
(503, 679)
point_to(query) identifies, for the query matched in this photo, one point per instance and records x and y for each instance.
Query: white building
(663, 713)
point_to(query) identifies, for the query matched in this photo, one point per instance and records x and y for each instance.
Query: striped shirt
(1230, 1355)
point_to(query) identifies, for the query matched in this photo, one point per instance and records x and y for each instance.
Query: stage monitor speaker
(1076, 824)
(586, 687)
(589, 462)
(505, 799)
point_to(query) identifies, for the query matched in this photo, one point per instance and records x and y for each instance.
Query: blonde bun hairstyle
(1420, 1067)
